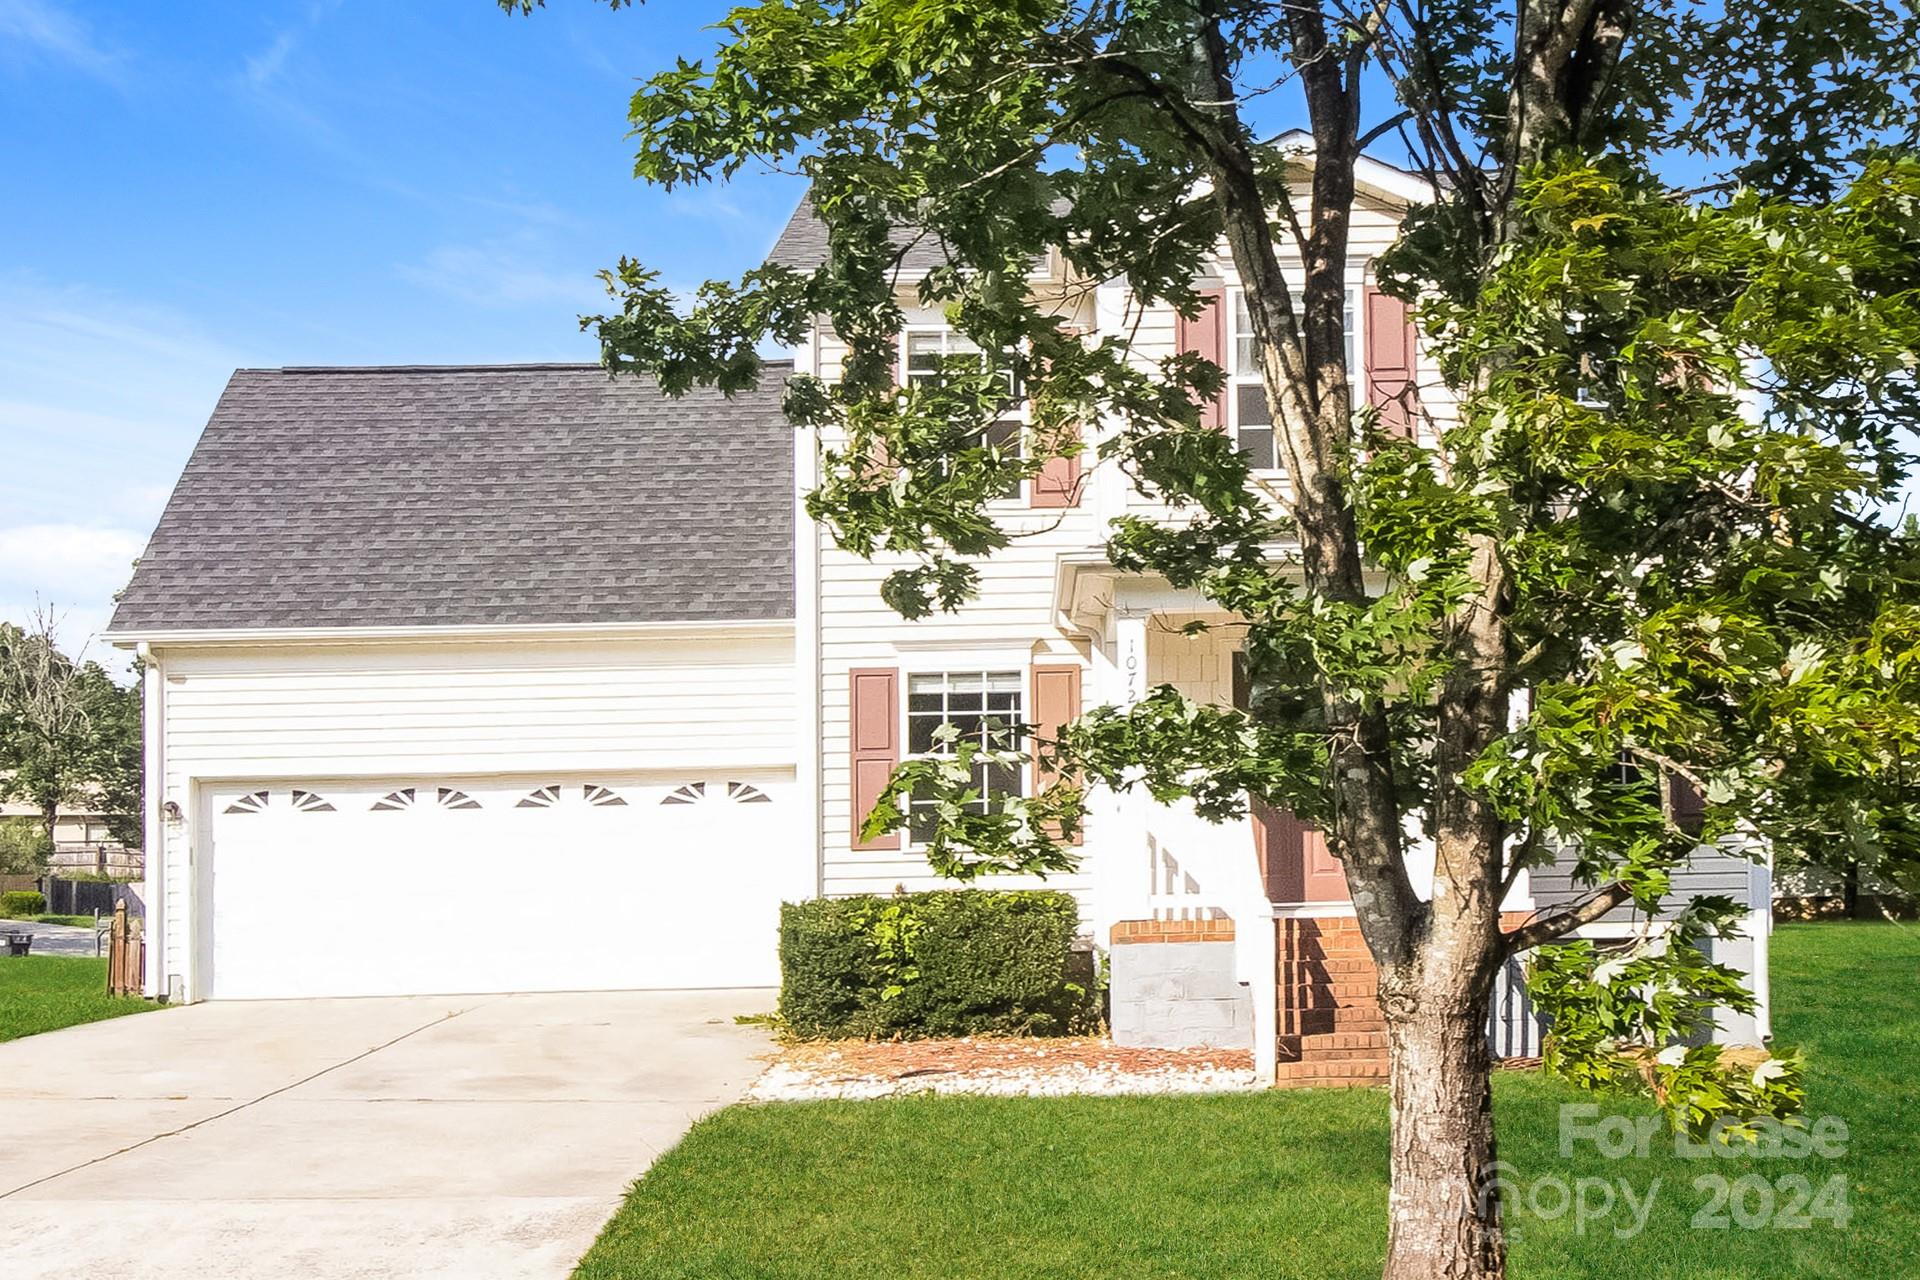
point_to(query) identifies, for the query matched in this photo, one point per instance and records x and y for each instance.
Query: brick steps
(1336, 1036)
(1347, 1039)
(1311, 1075)
(1344, 968)
(1342, 993)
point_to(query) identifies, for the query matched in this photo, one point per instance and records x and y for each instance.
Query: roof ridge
(506, 367)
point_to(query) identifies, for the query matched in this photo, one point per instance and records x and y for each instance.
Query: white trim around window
(1011, 428)
(1249, 417)
(976, 691)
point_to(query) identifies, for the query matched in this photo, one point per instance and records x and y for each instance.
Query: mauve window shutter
(1057, 483)
(1390, 361)
(1687, 804)
(1206, 336)
(873, 728)
(1056, 704)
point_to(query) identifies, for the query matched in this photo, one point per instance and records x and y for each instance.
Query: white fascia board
(1376, 175)
(233, 636)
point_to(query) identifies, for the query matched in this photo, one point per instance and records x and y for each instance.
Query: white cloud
(42, 28)
(503, 273)
(706, 203)
(71, 571)
(87, 557)
(103, 398)
(264, 67)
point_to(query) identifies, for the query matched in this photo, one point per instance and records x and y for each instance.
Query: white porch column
(1759, 928)
(1130, 655)
(1120, 858)
(1255, 947)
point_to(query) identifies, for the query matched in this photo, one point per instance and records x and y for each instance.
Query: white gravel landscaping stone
(784, 1082)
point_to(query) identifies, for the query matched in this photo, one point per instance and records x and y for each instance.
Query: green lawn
(78, 922)
(1277, 1185)
(45, 993)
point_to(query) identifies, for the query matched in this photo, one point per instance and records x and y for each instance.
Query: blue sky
(193, 188)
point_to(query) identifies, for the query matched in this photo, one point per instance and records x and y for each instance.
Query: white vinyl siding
(461, 709)
(1015, 609)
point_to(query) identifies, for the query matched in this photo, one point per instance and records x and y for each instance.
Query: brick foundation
(1131, 931)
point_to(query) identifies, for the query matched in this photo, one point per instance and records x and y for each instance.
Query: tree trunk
(1443, 1212)
(1850, 890)
(50, 820)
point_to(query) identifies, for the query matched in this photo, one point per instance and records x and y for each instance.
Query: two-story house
(557, 672)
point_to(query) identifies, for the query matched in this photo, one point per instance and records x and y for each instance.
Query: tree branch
(1544, 930)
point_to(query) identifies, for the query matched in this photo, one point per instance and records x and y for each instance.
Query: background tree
(1669, 274)
(68, 734)
(118, 755)
(24, 848)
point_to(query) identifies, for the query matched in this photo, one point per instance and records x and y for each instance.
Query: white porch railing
(1200, 870)
(1513, 1027)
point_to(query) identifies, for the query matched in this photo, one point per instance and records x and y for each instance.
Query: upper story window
(928, 351)
(982, 707)
(1249, 416)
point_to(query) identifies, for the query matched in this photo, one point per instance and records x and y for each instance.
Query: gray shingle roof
(802, 244)
(518, 494)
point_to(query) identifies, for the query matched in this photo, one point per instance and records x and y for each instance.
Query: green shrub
(22, 902)
(947, 963)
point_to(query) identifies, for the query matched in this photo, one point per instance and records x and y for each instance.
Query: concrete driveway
(472, 1137)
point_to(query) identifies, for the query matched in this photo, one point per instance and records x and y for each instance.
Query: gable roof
(484, 495)
(802, 244)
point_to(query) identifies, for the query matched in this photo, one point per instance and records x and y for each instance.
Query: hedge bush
(946, 963)
(19, 903)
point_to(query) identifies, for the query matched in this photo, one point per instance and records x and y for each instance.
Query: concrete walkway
(477, 1137)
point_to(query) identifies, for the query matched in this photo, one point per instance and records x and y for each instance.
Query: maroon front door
(1294, 859)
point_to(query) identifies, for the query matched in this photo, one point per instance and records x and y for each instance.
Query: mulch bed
(898, 1059)
(994, 1065)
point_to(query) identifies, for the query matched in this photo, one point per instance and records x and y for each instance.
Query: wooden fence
(85, 897)
(97, 859)
(126, 954)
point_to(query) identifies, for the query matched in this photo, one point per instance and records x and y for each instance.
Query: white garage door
(436, 886)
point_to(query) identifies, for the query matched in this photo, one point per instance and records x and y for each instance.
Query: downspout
(806, 631)
(153, 817)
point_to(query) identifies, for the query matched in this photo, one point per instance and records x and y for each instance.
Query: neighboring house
(520, 678)
(83, 839)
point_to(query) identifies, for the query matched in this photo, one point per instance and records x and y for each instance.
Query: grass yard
(45, 993)
(1283, 1185)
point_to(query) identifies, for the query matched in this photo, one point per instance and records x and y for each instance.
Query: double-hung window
(927, 352)
(1250, 417)
(981, 707)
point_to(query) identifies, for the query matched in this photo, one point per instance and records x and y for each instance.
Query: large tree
(1668, 270)
(68, 734)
